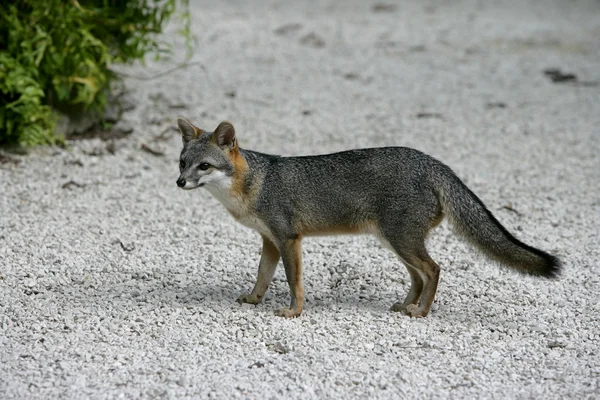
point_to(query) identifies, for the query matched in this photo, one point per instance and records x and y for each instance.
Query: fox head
(208, 158)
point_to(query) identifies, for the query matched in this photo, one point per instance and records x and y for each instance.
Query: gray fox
(397, 194)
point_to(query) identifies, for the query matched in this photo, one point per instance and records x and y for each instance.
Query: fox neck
(223, 192)
(229, 189)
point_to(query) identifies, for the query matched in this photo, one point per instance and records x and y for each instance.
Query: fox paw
(249, 298)
(288, 313)
(414, 311)
(401, 307)
(398, 307)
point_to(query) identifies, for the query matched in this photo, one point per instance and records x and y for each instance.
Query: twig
(430, 115)
(161, 74)
(127, 248)
(150, 150)
(510, 208)
(163, 135)
(73, 183)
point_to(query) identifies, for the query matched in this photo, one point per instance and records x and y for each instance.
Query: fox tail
(470, 217)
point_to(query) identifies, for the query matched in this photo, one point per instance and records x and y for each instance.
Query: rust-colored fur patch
(240, 169)
(292, 254)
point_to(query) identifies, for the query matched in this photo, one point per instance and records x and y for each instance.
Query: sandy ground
(116, 284)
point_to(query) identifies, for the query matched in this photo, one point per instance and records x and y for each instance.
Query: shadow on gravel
(153, 294)
(158, 294)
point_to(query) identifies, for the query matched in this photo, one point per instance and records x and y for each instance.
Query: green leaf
(57, 53)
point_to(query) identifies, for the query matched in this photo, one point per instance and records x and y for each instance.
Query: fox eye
(182, 164)
(204, 166)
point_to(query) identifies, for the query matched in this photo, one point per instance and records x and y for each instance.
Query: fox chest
(243, 213)
(253, 222)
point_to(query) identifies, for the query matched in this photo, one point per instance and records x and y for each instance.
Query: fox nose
(181, 182)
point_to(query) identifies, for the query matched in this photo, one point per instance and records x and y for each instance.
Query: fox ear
(224, 135)
(188, 131)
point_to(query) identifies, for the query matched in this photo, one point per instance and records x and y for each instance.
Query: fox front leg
(266, 269)
(292, 261)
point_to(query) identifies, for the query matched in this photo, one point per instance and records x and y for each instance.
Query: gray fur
(400, 191)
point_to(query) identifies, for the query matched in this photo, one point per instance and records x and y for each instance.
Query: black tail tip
(552, 267)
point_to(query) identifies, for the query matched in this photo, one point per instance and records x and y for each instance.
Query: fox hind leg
(425, 275)
(431, 276)
(414, 294)
(407, 239)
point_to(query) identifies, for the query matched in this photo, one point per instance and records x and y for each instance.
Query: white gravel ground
(120, 285)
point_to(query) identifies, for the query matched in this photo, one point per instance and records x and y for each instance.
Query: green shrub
(57, 53)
